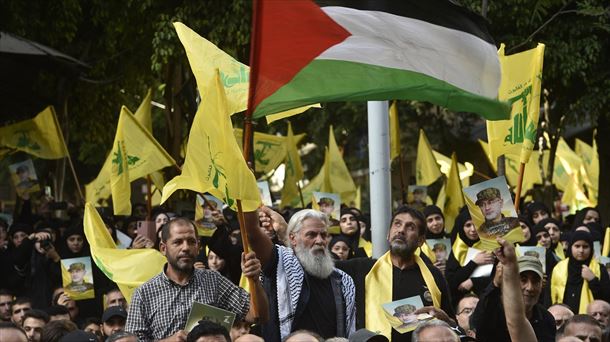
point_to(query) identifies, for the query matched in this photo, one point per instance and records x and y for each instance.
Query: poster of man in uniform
(77, 278)
(263, 188)
(24, 177)
(401, 314)
(493, 212)
(328, 203)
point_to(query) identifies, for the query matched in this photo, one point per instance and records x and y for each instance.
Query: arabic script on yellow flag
(129, 268)
(293, 171)
(40, 136)
(520, 86)
(214, 162)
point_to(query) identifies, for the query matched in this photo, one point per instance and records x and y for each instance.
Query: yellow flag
(214, 162)
(465, 170)
(319, 183)
(340, 179)
(454, 198)
(40, 136)
(205, 58)
(291, 112)
(129, 268)
(144, 116)
(531, 175)
(590, 159)
(135, 153)
(520, 86)
(394, 132)
(293, 171)
(427, 171)
(269, 150)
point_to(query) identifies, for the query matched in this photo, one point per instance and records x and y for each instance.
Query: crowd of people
(308, 284)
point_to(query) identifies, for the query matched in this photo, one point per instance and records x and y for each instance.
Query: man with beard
(490, 202)
(398, 274)
(160, 307)
(305, 291)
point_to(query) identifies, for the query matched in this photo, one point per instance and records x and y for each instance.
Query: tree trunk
(603, 150)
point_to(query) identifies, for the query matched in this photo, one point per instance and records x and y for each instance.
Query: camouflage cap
(76, 266)
(487, 194)
(404, 309)
(326, 200)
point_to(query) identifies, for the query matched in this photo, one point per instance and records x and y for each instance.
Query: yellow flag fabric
(269, 150)
(520, 86)
(340, 179)
(205, 58)
(560, 278)
(320, 182)
(291, 112)
(214, 162)
(606, 244)
(293, 171)
(394, 132)
(531, 175)
(465, 170)
(40, 136)
(129, 268)
(454, 198)
(590, 159)
(427, 170)
(378, 291)
(135, 153)
(570, 176)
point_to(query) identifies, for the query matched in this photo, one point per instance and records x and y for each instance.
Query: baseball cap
(364, 335)
(530, 263)
(114, 311)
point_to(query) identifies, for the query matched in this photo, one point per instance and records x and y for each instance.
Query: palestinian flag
(361, 50)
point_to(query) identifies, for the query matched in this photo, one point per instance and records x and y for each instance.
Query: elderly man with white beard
(305, 290)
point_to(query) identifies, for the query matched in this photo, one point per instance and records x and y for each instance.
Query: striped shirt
(160, 307)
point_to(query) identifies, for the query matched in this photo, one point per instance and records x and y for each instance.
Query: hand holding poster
(330, 204)
(24, 177)
(493, 212)
(401, 314)
(77, 278)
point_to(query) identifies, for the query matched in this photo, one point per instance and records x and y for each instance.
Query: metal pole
(379, 174)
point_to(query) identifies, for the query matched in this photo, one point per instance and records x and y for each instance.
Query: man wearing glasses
(465, 308)
(490, 202)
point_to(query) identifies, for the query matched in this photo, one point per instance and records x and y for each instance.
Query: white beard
(319, 265)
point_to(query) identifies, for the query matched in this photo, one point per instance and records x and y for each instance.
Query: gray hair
(119, 335)
(432, 324)
(296, 221)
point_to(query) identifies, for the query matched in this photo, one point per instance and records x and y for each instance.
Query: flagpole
(402, 180)
(148, 198)
(61, 134)
(301, 195)
(519, 185)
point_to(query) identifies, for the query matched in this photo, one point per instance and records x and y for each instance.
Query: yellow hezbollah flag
(214, 162)
(590, 159)
(340, 179)
(135, 153)
(394, 132)
(454, 198)
(269, 150)
(427, 171)
(129, 268)
(465, 170)
(520, 86)
(293, 171)
(40, 136)
(531, 175)
(205, 58)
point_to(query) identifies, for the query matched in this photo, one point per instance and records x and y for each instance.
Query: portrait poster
(604, 261)
(440, 247)
(535, 251)
(210, 313)
(597, 249)
(77, 278)
(480, 271)
(400, 314)
(493, 212)
(204, 207)
(417, 196)
(24, 177)
(263, 188)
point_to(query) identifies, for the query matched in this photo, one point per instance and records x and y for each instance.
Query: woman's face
(470, 230)
(539, 215)
(526, 231)
(581, 250)
(553, 231)
(348, 224)
(341, 250)
(75, 243)
(215, 262)
(591, 216)
(160, 220)
(18, 238)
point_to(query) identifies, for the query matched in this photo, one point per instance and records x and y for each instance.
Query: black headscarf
(432, 210)
(575, 266)
(343, 238)
(580, 216)
(532, 240)
(458, 227)
(534, 207)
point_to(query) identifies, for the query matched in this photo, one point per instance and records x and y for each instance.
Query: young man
(156, 314)
(6, 300)
(206, 331)
(20, 306)
(113, 320)
(114, 297)
(33, 322)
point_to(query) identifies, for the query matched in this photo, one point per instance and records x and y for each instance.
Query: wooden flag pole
(519, 185)
(61, 135)
(244, 239)
(148, 198)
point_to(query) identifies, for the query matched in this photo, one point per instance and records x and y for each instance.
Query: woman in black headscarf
(350, 230)
(579, 279)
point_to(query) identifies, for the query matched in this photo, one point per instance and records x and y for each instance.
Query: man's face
(181, 247)
(584, 331)
(77, 275)
(326, 208)
(435, 223)
(112, 325)
(581, 250)
(553, 231)
(560, 314)
(18, 311)
(33, 328)
(438, 334)
(312, 235)
(348, 224)
(544, 239)
(539, 215)
(404, 235)
(531, 287)
(465, 309)
(95, 329)
(116, 298)
(591, 216)
(5, 307)
(600, 311)
(491, 208)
